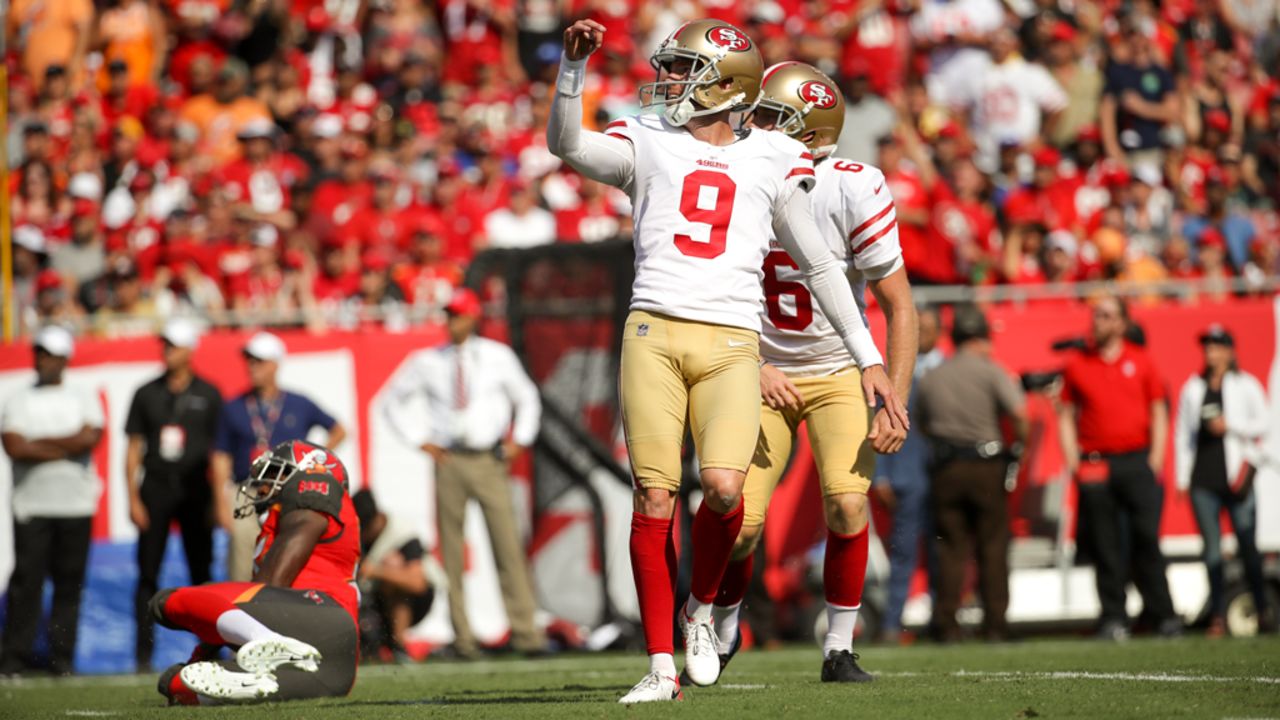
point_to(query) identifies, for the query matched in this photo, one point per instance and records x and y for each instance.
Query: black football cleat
(842, 666)
(724, 659)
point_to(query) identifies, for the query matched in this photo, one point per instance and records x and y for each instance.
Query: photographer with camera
(1222, 416)
(960, 408)
(1112, 422)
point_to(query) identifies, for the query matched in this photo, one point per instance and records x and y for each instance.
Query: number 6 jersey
(854, 211)
(704, 216)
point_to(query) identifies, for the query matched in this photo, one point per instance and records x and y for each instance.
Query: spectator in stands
(220, 114)
(902, 486)
(956, 35)
(29, 255)
(869, 113)
(399, 579)
(960, 407)
(250, 424)
(483, 412)
(1113, 421)
(171, 426)
(84, 257)
(522, 223)
(51, 34)
(49, 432)
(1222, 421)
(1014, 102)
(1139, 98)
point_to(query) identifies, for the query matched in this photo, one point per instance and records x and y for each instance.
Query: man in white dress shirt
(483, 411)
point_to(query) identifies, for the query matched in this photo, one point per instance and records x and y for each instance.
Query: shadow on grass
(566, 694)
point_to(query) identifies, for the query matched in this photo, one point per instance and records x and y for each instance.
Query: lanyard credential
(263, 429)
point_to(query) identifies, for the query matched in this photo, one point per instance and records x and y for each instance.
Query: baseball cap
(464, 302)
(1217, 335)
(85, 185)
(1047, 157)
(265, 346)
(264, 236)
(48, 280)
(258, 128)
(375, 261)
(327, 126)
(180, 332)
(1212, 237)
(30, 238)
(55, 340)
(1063, 240)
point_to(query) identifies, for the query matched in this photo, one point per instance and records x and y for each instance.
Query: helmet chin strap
(679, 113)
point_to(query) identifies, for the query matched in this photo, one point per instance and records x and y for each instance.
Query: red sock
(844, 569)
(197, 609)
(653, 565)
(713, 538)
(733, 586)
(180, 694)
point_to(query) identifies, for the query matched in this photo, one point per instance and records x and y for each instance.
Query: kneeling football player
(807, 375)
(294, 627)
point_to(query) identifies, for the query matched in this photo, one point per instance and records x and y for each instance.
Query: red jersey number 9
(847, 166)
(717, 216)
(775, 289)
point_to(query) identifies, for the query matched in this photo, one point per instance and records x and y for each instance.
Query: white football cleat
(264, 656)
(214, 683)
(701, 661)
(655, 687)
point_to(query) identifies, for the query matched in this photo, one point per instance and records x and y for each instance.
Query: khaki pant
(673, 369)
(243, 544)
(838, 419)
(460, 477)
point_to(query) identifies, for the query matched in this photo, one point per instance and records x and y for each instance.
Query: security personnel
(171, 427)
(1113, 423)
(960, 407)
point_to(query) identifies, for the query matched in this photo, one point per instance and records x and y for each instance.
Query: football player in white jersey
(808, 375)
(706, 200)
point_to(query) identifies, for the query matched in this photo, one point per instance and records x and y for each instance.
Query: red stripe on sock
(653, 565)
(713, 537)
(733, 586)
(844, 569)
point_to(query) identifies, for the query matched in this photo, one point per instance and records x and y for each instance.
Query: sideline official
(171, 427)
(483, 411)
(961, 405)
(1113, 422)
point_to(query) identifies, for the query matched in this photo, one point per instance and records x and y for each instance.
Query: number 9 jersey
(703, 217)
(854, 211)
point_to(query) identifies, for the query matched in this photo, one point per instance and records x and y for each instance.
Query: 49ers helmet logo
(729, 38)
(819, 94)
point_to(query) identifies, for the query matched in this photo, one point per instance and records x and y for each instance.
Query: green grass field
(1190, 678)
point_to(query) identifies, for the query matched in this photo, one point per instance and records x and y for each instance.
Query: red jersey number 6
(717, 216)
(775, 289)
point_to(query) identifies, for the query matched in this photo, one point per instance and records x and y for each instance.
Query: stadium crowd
(332, 163)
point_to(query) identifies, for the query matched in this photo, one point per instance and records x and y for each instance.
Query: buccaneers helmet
(275, 467)
(725, 74)
(809, 105)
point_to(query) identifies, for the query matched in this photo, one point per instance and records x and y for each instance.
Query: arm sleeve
(312, 491)
(1255, 418)
(404, 386)
(215, 412)
(1048, 92)
(798, 232)
(608, 158)
(222, 436)
(524, 398)
(1011, 398)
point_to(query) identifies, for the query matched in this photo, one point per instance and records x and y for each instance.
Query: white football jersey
(854, 210)
(1007, 103)
(704, 217)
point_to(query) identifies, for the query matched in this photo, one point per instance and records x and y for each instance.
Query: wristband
(572, 77)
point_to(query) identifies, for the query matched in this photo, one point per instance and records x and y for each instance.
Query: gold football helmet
(719, 52)
(810, 106)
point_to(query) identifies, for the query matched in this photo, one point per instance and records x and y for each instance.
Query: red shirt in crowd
(265, 186)
(1113, 399)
